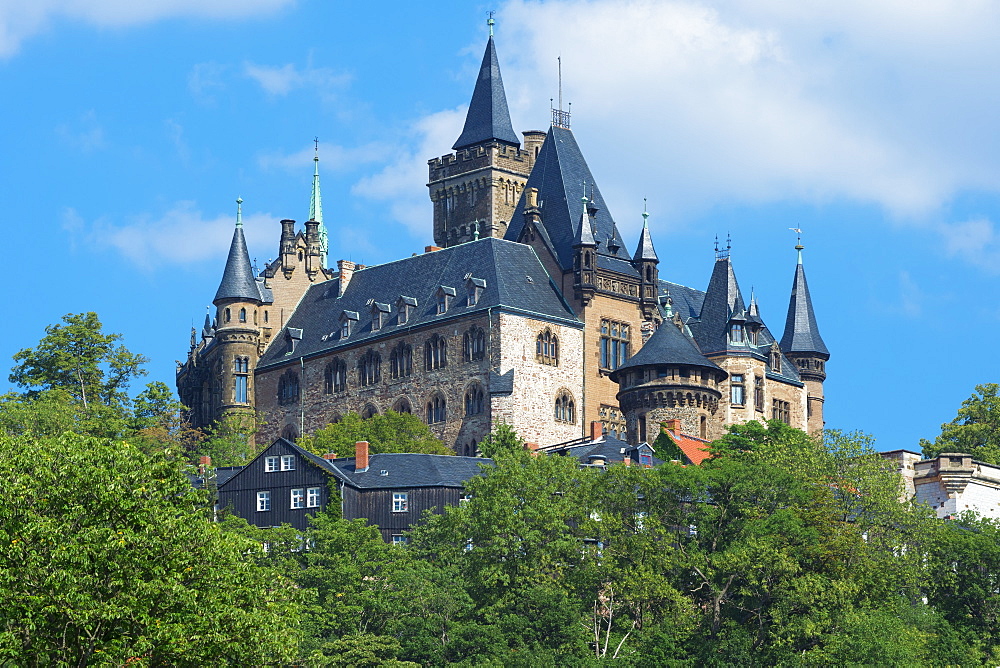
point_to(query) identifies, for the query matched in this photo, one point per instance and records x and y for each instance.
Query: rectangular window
(614, 344)
(758, 393)
(398, 539)
(464, 499)
(400, 502)
(288, 462)
(240, 395)
(263, 501)
(298, 498)
(270, 464)
(736, 390)
(781, 411)
(312, 500)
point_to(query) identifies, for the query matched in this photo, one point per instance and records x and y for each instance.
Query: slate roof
(515, 280)
(801, 331)
(723, 301)
(488, 118)
(560, 173)
(612, 450)
(238, 281)
(645, 250)
(410, 470)
(686, 301)
(667, 345)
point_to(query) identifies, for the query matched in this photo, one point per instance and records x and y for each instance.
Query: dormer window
(736, 333)
(347, 321)
(380, 313)
(752, 336)
(444, 296)
(405, 306)
(776, 359)
(474, 288)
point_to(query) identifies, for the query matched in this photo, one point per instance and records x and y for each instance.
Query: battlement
(480, 157)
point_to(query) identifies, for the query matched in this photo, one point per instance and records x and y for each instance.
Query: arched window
(435, 409)
(369, 411)
(475, 400)
(435, 353)
(288, 388)
(565, 407)
(402, 405)
(370, 369)
(243, 315)
(290, 433)
(228, 315)
(547, 348)
(703, 428)
(335, 377)
(474, 345)
(776, 360)
(401, 361)
(241, 366)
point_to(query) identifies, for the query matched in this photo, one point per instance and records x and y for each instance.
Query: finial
(490, 23)
(239, 212)
(645, 214)
(475, 229)
(798, 241)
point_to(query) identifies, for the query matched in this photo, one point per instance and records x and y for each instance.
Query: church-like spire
(645, 251)
(585, 233)
(237, 280)
(316, 208)
(801, 331)
(488, 118)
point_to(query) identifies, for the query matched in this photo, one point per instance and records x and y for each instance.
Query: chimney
(596, 430)
(532, 448)
(431, 249)
(627, 461)
(330, 455)
(313, 251)
(531, 195)
(361, 456)
(204, 463)
(533, 140)
(346, 268)
(287, 245)
(674, 426)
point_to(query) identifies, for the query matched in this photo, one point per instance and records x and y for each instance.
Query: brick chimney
(431, 249)
(330, 455)
(346, 268)
(674, 426)
(361, 456)
(532, 448)
(596, 430)
(204, 464)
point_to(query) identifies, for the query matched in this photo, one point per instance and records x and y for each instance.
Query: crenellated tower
(803, 345)
(475, 189)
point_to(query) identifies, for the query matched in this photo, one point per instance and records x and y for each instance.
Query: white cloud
(150, 242)
(402, 181)
(975, 241)
(21, 19)
(280, 81)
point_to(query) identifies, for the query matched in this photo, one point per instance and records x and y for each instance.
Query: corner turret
(645, 262)
(585, 254)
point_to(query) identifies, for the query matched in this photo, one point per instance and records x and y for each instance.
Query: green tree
(388, 432)
(107, 556)
(975, 430)
(229, 441)
(502, 439)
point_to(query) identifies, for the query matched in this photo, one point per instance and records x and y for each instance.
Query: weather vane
(490, 22)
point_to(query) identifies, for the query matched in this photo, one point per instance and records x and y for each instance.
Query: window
(565, 408)
(368, 412)
(405, 306)
(752, 335)
(781, 411)
(474, 400)
(736, 333)
(444, 295)
(736, 390)
(243, 315)
(614, 344)
(402, 406)
(270, 464)
(435, 353)
(380, 314)
(288, 388)
(547, 348)
(474, 345)
(347, 320)
(228, 316)
(399, 539)
(776, 360)
(645, 459)
(312, 497)
(345, 329)
(464, 499)
(263, 501)
(474, 289)
(401, 361)
(335, 377)
(298, 498)
(436, 409)
(400, 502)
(370, 369)
(287, 462)
(242, 368)
(758, 393)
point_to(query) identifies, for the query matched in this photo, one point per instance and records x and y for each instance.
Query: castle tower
(316, 211)
(645, 262)
(585, 255)
(237, 335)
(475, 189)
(802, 344)
(668, 379)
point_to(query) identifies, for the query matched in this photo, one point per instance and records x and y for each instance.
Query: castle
(528, 309)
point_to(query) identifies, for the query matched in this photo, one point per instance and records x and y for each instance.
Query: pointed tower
(237, 301)
(645, 262)
(585, 255)
(316, 211)
(803, 345)
(475, 189)
(721, 326)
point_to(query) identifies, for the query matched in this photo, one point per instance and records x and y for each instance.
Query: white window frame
(263, 501)
(313, 496)
(271, 464)
(400, 502)
(287, 462)
(298, 498)
(464, 499)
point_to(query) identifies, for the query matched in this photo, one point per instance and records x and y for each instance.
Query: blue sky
(130, 128)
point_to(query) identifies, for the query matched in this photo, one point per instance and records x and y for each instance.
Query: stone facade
(953, 483)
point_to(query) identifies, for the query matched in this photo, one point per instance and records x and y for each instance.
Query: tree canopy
(386, 432)
(975, 430)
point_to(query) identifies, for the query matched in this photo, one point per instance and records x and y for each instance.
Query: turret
(585, 254)
(316, 212)
(803, 345)
(645, 262)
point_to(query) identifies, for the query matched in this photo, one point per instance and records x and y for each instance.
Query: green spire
(645, 215)
(316, 208)
(239, 212)
(490, 23)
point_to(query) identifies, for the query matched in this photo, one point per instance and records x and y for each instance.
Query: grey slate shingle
(488, 118)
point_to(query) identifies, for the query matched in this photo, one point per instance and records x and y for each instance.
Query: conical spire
(645, 251)
(488, 118)
(753, 312)
(316, 209)
(237, 279)
(723, 304)
(585, 233)
(801, 331)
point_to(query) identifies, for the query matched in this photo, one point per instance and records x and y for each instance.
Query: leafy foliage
(975, 430)
(388, 432)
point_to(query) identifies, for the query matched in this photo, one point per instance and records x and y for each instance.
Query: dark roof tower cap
(238, 282)
(488, 118)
